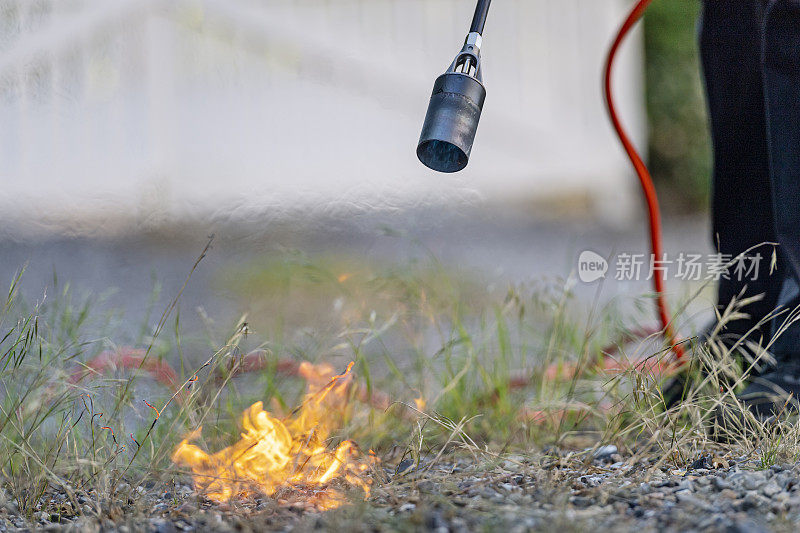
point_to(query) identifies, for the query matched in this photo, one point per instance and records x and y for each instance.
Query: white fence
(112, 109)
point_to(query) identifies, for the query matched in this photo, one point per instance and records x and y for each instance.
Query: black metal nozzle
(454, 112)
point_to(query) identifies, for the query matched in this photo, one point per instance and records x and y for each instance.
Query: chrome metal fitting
(474, 40)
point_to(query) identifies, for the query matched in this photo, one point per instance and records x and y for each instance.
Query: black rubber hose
(479, 20)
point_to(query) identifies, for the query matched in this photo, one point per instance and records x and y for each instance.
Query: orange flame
(291, 453)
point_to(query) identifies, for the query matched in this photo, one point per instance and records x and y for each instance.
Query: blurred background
(131, 130)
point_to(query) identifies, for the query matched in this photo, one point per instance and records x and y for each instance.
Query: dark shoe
(675, 389)
(773, 395)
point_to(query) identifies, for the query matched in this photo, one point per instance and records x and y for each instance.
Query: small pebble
(770, 489)
(605, 452)
(426, 487)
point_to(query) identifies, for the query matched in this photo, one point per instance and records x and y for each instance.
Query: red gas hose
(645, 179)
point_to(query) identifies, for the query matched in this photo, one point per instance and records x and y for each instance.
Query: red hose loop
(643, 173)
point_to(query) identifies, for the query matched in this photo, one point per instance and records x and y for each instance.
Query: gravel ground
(556, 491)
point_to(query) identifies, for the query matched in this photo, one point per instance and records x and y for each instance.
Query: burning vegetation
(289, 453)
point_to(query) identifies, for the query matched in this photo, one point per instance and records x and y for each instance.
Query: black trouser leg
(743, 217)
(782, 89)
